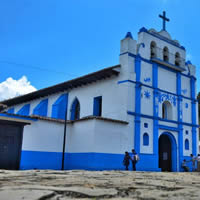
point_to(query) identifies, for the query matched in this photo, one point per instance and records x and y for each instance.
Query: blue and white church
(147, 102)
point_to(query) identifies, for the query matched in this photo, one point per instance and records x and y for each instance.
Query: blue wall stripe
(86, 161)
(25, 110)
(137, 104)
(193, 113)
(11, 110)
(165, 120)
(59, 107)
(169, 128)
(179, 117)
(40, 160)
(162, 66)
(155, 112)
(41, 108)
(103, 161)
(160, 90)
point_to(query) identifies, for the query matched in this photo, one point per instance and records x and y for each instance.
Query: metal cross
(164, 20)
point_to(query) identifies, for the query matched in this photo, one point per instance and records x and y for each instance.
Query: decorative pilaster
(193, 113)
(137, 104)
(179, 118)
(155, 109)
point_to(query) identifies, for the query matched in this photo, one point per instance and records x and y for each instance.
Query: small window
(145, 125)
(153, 49)
(145, 139)
(177, 59)
(97, 106)
(186, 132)
(166, 54)
(75, 110)
(186, 105)
(186, 144)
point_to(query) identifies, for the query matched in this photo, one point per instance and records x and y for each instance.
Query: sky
(45, 42)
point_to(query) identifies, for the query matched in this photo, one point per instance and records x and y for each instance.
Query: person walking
(126, 160)
(193, 159)
(134, 159)
(184, 166)
(198, 162)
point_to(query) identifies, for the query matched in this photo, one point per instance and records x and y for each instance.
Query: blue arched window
(41, 108)
(59, 107)
(186, 144)
(75, 110)
(145, 139)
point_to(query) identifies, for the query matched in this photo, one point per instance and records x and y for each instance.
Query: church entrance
(165, 153)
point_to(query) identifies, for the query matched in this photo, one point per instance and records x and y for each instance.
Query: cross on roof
(164, 20)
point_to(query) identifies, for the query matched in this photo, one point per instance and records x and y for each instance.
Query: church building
(147, 102)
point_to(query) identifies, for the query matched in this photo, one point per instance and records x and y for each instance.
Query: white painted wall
(189, 137)
(99, 136)
(146, 149)
(187, 110)
(185, 86)
(146, 73)
(43, 136)
(147, 103)
(166, 80)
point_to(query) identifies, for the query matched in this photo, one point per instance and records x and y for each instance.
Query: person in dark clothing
(126, 160)
(183, 165)
(134, 159)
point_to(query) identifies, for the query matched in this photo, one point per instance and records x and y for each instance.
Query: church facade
(147, 103)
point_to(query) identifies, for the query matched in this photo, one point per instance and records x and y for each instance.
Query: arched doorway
(167, 152)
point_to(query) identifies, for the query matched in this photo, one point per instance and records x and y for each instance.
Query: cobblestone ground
(62, 185)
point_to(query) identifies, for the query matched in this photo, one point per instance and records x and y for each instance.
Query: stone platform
(63, 185)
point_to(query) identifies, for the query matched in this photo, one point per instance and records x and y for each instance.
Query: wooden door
(165, 153)
(10, 146)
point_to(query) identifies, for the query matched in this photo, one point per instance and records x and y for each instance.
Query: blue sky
(51, 41)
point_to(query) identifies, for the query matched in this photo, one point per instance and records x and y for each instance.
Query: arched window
(186, 144)
(153, 49)
(75, 110)
(166, 54)
(166, 110)
(177, 59)
(145, 139)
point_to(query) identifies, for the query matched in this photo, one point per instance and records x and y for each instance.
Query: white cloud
(11, 88)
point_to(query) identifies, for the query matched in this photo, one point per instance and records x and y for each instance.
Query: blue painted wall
(41, 108)
(137, 104)
(87, 161)
(103, 161)
(59, 107)
(24, 110)
(11, 111)
(40, 160)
